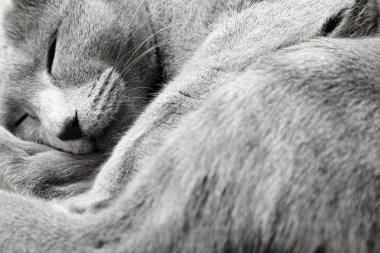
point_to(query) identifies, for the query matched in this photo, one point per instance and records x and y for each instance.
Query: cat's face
(74, 83)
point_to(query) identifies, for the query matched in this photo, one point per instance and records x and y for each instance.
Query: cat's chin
(77, 147)
(30, 130)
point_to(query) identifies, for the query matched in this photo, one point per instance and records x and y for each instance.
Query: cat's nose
(71, 130)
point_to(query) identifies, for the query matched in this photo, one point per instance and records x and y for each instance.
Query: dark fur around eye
(20, 120)
(51, 52)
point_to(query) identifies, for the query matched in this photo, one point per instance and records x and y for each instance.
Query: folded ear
(362, 19)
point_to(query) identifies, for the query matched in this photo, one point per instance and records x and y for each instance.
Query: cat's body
(262, 141)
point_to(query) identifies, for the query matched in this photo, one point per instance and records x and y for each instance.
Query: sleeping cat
(263, 139)
(72, 90)
(78, 90)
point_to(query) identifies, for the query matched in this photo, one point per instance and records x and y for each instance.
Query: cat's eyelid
(21, 120)
(51, 51)
(54, 35)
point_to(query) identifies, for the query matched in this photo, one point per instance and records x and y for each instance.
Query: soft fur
(265, 137)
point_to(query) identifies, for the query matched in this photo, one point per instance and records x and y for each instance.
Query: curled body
(264, 138)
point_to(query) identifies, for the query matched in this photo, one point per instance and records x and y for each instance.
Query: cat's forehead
(78, 17)
(87, 31)
(97, 21)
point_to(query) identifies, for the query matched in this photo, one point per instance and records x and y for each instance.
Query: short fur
(265, 139)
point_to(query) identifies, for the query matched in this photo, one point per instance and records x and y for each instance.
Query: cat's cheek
(76, 147)
(29, 130)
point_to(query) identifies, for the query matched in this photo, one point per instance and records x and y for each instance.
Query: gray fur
(88, 75)
(265, 139)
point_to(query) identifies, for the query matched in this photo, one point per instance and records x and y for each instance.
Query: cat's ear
(362, 19)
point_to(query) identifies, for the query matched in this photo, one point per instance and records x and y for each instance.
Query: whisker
(145, 21)
(141, 56)
(123, 53)
(147, 39)
(137, 10)
(147, 52)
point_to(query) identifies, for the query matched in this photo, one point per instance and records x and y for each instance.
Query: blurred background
(3, 5)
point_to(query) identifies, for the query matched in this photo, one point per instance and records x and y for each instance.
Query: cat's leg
(38, 170)
(235, 43)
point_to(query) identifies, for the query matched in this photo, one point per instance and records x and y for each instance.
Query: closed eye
(51, 52)
(20, 120)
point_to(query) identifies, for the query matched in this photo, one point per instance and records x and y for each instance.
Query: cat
(80, 93)
(264, 137)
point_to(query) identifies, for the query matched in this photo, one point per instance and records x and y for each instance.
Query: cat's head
(78, 73)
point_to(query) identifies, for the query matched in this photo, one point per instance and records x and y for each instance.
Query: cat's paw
(5, 135)
(10, 153)
(18, 168)
(89, 202)
(12, 158)
(7, 159)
